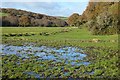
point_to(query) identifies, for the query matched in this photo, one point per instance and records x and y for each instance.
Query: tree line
(26, 18)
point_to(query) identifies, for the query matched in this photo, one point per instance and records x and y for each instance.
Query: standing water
(68, 55)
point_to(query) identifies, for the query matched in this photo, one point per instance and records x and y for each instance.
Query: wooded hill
(24, 18)
(99, 17)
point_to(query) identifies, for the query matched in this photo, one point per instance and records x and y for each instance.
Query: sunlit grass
(3, 14)
(74, 36)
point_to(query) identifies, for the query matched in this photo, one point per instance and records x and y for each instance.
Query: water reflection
(71, 55)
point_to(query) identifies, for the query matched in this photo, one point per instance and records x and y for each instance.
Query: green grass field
(3, 14)
(75, 36)
(63, 18)
(102, 53)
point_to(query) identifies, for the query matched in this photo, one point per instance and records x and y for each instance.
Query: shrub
(10, 21)
(24, 21)
(44, 33)
(105, 23)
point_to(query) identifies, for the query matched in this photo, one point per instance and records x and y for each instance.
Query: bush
(24, 21)
(10, 21)
(44, 33)
(105, 23)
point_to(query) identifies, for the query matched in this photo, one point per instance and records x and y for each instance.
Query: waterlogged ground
(71, 55)
(59, 58)
(58, 53)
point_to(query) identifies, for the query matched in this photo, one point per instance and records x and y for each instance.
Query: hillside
(96, 8)
(99, 17)
(25, 18)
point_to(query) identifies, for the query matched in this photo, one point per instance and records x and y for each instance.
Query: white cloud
(48, 8)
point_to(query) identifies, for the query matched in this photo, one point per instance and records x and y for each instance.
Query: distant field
(3, 14)
(63, 18)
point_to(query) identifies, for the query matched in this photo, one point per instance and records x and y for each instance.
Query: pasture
(100, 53)
(73, 36)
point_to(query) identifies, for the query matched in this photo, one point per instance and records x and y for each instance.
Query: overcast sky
(48, 8)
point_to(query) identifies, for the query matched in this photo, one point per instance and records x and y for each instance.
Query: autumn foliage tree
(73, 19)
(24, 21)
(100, 17)
(10, 20)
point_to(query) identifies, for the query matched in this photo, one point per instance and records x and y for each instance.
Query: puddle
(68, 54)
(80, 63)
